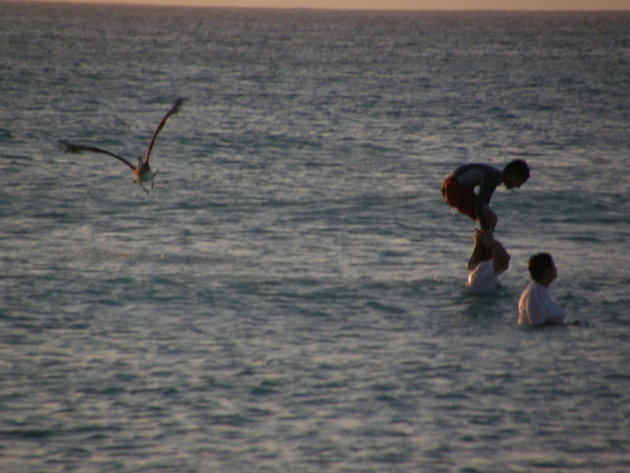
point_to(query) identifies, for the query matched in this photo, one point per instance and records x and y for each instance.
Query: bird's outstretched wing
(174, 109)
(75, 148)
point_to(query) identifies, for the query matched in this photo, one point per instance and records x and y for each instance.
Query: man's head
(542, 268)
(515, 173)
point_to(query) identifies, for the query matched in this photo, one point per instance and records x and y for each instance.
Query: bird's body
(141, 171)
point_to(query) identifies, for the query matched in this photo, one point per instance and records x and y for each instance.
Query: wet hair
(517, 168)
(538, 264)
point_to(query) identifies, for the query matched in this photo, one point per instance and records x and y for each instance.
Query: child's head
(539, 265)
(515, 173)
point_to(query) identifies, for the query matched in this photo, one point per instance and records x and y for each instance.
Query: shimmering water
(290, 298)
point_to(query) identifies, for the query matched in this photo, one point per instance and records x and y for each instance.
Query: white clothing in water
(483, 278)
(537, 307)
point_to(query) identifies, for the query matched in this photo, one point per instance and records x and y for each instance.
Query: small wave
(6, 135)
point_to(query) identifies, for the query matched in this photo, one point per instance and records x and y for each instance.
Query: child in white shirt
(536, 306)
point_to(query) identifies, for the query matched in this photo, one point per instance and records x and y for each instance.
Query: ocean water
(290, 297)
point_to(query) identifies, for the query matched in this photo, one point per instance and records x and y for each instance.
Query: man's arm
(478, 251)
(500, 257)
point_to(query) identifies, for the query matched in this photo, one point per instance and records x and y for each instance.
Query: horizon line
(199, 4)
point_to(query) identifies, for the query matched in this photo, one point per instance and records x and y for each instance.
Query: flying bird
(142, 172)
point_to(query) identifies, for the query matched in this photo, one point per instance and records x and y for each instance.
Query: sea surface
(290, 297)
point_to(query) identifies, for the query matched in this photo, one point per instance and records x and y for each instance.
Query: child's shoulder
(477, 167)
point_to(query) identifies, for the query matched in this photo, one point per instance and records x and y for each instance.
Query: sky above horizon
(391, 4)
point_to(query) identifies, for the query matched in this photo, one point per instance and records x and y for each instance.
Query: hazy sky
(398, 4)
